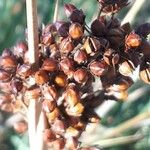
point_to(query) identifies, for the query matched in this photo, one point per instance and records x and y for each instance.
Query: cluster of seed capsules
(72, 56)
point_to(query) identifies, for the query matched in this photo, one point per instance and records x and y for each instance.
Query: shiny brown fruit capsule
(61, 80)
(66, 46)
(5, 76)
(5, 98)
(47, 39)
(72, 96)
(121, 84)
(48, 136)
(16, 85)
(126, 68)
(41, 77)
(33, 92)
(48, 106)
(91, 45)
(145, 75)
(71, 143)
(121, 95)
(6, 52)
(81, 75)
(76, 110)
(133, 40)
(67, 66)
(52, 116)
(59, 144)
(24, 71)
(50, 65)
(8, 62)
(76, 31)
(80, 56)
(71, 132)
(98, 68)
(111, 57)
(69, 8)
(20, 49)
(7, 107)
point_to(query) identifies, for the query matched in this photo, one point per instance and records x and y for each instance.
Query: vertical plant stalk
(35, 116)
(56, 11)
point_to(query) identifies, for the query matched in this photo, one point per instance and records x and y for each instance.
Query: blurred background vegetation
(12, 29)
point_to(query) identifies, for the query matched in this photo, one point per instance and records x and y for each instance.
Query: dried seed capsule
(76, 31)
(111, 57)
(71, 143)
(5, 87)
(66, 46)
(52, 116)
(48, 39)
(76, 110)
(16, 85)
(6, 52)
(49, 136)
(69, 8)
(8, 63)
(48, 106)
(8, 107)
(59, 144)
(60, 80)
(59, 127)
(121, 84)
(62, 28)
(24, 71)
(81, 75)
(133, 40)
(71, 132)
(20, 49)
(20, 127)
(67, 66)
(121, 95)
(126, 68)
(80, 56)
(33, 92)
(72, 96)
(50, 65)
(98, 68)
(41, 77)
(145, 75)
(91, 45)
(5, 76)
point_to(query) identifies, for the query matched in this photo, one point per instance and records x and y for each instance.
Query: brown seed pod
(71, 143)
(121, 84)
(121, 95)
(7, 107)
(6, 52)
(91, 45)
(50, 65)
(72, 96)
(59, 127)
(47, 39)
(52, 116)
(71, 132)
(24, 71)
(69, 8)
(48, 136)
(48, 106)
(41, 77)
(5, 76)
(81, 75)
(133, 40)
(145, 75)
(60, 80)
(98, 68)
(80, 56)
(59, 144)
(20, 49)
(66, 46)
(76, 110)
(111, 57)
(16, 85)
(33, 92)
(76, 31)
(67, 66)
(8, 63)
(126, 68)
